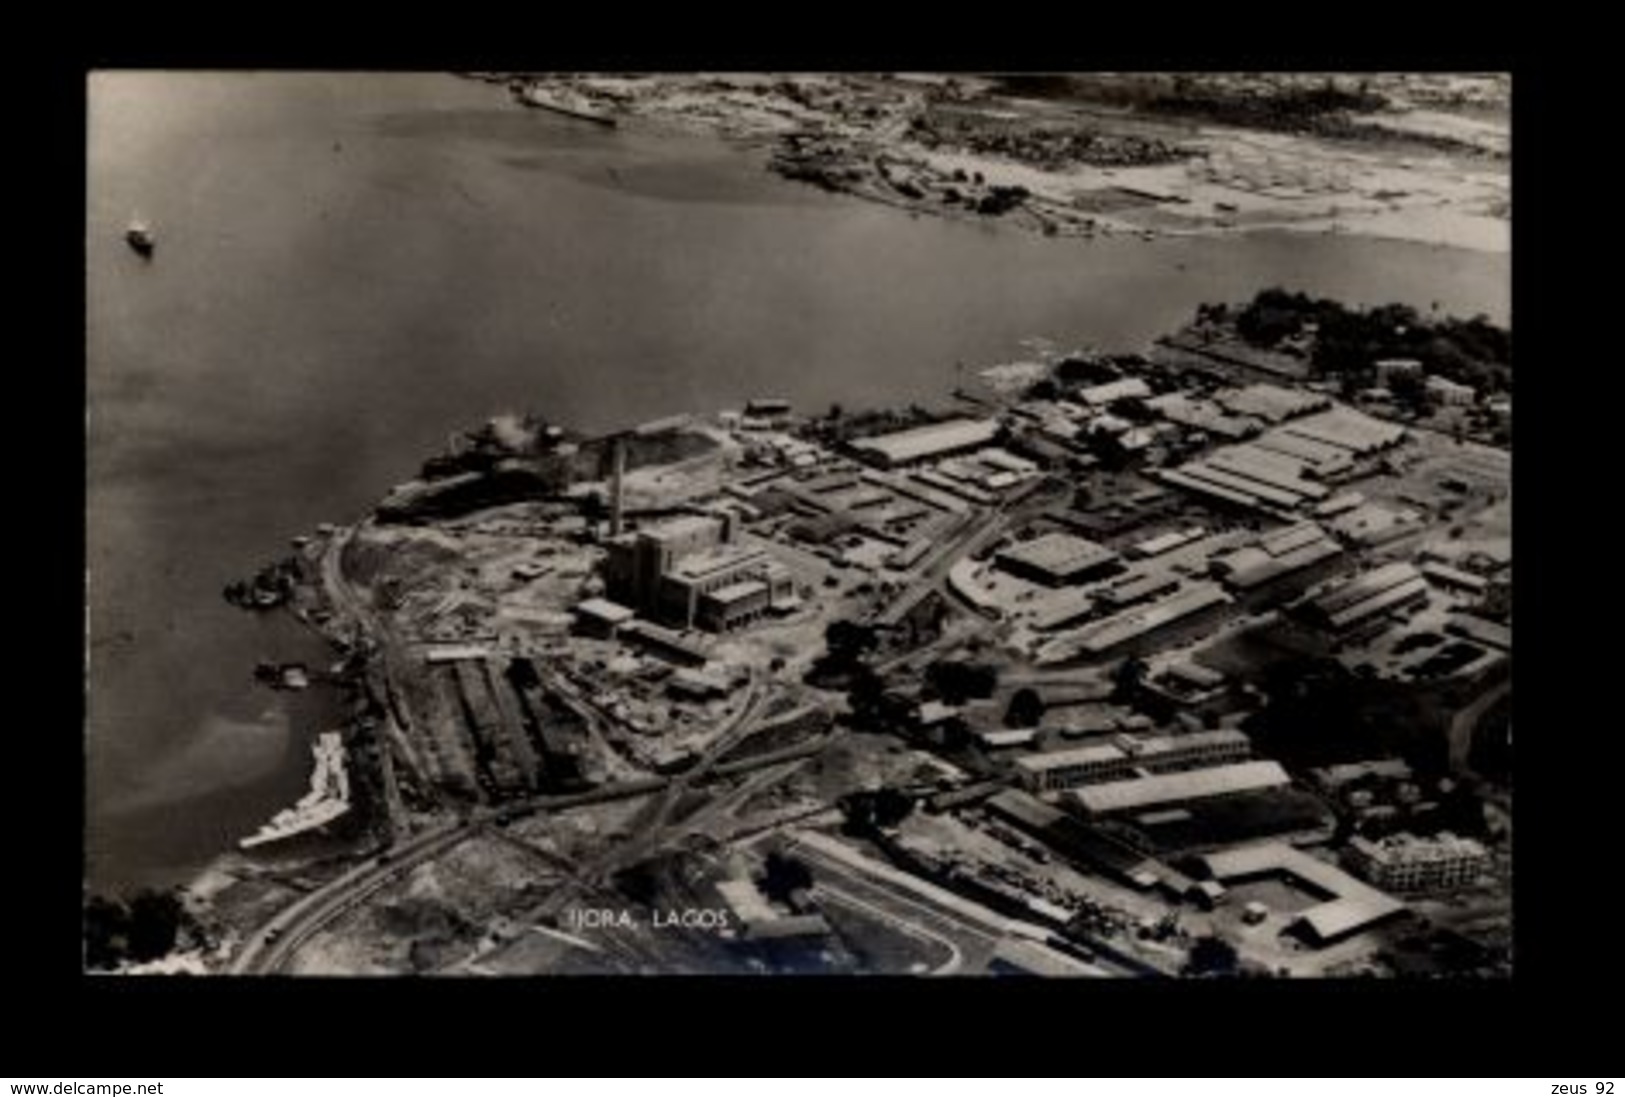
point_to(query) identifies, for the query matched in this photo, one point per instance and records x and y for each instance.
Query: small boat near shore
(282, 675)
(140, 238)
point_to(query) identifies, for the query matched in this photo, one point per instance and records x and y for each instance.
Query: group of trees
(1322, 108)
(846, 643)
(1001, 199)
(783, 876)
(956, 681)
(843, 666)
(1212, 956)
(1086, 370)
(1026, 709)
(1320, 713)
(1347, 342)
(147, 927)
(866, 811)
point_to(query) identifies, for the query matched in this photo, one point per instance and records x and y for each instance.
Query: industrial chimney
(615, 488)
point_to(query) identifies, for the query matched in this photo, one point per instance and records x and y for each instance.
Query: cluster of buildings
(1274, 554)
(1406, 863)
(1348, 907)
(690, 572)
(1208, 528)
(759, 920)
(1368, 598)
(1291, 468)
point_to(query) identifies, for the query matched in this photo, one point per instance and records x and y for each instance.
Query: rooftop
(1367, 585)
(680, 527)
(1449, 575)
(1165, 788)
(605, 610)
(1061, 553)
(1351, 903)
(1323, 456)
(1295, 536)
(1166, 744)
(1347, 428)
(696, 565)
(1008, 737)
(909, 445)
(1196, 674)
(1154, 546)
(1076, 756)
(735, 592)
(1178, 407)
(1406, 848)
(1127, 387)
(1127, 624)
(746, 901)
(1271, 402)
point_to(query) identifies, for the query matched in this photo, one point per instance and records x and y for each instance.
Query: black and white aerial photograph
(959, 524)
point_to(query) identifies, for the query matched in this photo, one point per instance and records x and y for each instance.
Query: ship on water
(140, 238)
(327, 800)
(563, 101)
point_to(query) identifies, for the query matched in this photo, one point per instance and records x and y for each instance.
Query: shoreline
(1164, 176)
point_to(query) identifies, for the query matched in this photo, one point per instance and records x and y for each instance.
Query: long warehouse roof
(908, 445)
(1170, 788)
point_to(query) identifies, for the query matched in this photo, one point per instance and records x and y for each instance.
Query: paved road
(273, 945)
(978, 533)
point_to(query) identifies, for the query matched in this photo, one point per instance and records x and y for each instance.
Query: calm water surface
(351, 267)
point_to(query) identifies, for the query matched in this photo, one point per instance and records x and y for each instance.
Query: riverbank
(1423, 166)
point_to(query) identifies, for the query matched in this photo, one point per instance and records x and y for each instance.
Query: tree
(1026, 709)
(1129, 676)
(866, 696)
(867, 811)
(849, 640)
(892, 806)
(146, 928)
(1212, 956)
(957, 682)
(784, 875)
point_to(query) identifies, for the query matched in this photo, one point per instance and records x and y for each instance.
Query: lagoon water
(350, 267)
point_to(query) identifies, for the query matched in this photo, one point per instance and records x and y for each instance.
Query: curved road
(272, 945)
